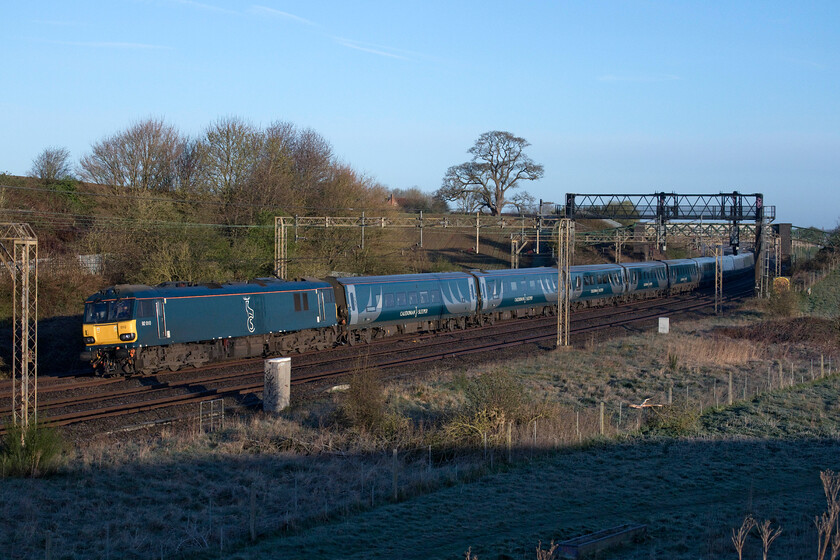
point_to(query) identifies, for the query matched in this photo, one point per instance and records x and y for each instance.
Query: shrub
(364, 402)
(782, 303)
(32, 452)
(671, 421)
(496, 393)
(491, 401)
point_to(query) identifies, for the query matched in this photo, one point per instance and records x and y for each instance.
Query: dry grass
(713, 352)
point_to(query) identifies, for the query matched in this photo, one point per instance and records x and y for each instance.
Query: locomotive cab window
(96, 312)
(145, 308)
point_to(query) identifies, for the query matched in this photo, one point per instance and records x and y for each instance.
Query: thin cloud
(56, 22)
(373, 49)
(203, 6)
(110, 45)
(639, 78)
(266, 11)
(804, 62)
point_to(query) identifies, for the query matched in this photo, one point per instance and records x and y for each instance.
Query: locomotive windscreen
(108, 311)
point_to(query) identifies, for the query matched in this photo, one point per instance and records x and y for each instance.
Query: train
(145, 329)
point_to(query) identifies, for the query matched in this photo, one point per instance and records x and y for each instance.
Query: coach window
(424, 298)
(513, 285)
(297, 301)
(401, 299)
(412, 298)
(434, 295)
(389, 300)
(305, 300)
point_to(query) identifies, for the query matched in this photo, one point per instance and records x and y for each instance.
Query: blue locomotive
(144, 329)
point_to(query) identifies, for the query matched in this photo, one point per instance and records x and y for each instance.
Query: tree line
(284, 166)
(280, 166)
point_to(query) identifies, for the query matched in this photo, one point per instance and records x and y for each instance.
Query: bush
(364, 402)
(492, 400)
(31, 453)
(495, 393)
(671, 421)
(782, 303)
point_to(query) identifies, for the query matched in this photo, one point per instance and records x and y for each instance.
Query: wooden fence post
(253, 514)
(602, 418)
(730, 388)
(396, 476)
(509, 441)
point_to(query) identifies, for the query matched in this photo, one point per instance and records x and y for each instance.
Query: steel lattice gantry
(19, 252)
(662, 207)
(726, 207)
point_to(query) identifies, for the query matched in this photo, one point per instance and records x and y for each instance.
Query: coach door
(322, 312)
(160, 311)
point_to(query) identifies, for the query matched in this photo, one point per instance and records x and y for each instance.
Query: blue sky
(628, 97)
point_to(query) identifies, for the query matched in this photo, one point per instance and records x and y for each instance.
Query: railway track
(69, 402)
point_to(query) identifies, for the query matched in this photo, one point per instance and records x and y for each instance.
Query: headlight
(89, 340)
(127, 336)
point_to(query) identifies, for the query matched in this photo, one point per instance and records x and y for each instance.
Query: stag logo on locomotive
(250, 313)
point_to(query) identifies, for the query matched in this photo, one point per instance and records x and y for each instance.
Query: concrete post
(277, 386)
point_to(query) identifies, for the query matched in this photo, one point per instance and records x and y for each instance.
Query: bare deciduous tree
(272, 181)
(524, 203)
(230, 147)
(189, 166)
(498, 165)
(141, 157)
(313, 160)
(51, 165)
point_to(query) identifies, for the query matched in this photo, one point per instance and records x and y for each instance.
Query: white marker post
(664, 325)
(277, 386)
